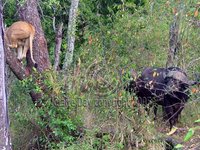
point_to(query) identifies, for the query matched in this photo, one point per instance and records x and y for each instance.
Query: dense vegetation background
(87, 107)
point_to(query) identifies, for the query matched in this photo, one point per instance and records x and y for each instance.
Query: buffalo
(168, 87)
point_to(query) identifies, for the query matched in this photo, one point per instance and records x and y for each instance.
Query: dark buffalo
(167, 87)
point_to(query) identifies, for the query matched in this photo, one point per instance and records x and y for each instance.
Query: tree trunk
(71, 33)
(4, 120)
(58, 46)
(29, 13)
(174, 43)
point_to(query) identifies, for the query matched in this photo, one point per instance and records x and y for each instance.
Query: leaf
(189, 135)
(172, 131)
(196, 13)
(197, 121)
(178, 146)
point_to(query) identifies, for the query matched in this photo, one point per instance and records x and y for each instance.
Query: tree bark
(71, 33)
(58, 46)
(4, 120)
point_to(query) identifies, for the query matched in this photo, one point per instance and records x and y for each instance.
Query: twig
(191, 62)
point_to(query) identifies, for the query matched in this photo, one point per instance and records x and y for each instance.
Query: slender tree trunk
(71, 33)
(58, 46)
(174, 43)
(4, 120)
(174, 36)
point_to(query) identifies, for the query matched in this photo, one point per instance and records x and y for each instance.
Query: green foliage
(179, 147)
(197, 121)
(189, 135)
(57, 120)
(9, 11)
(55, 12)
(23, 116)
(56, 116)
(131, 38)
(191, 132)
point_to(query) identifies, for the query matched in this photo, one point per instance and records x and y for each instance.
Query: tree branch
(192, 62)
(15, 65)
(173, 41)
(58, 46)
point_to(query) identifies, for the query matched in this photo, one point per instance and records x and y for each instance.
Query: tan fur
(20, 36)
